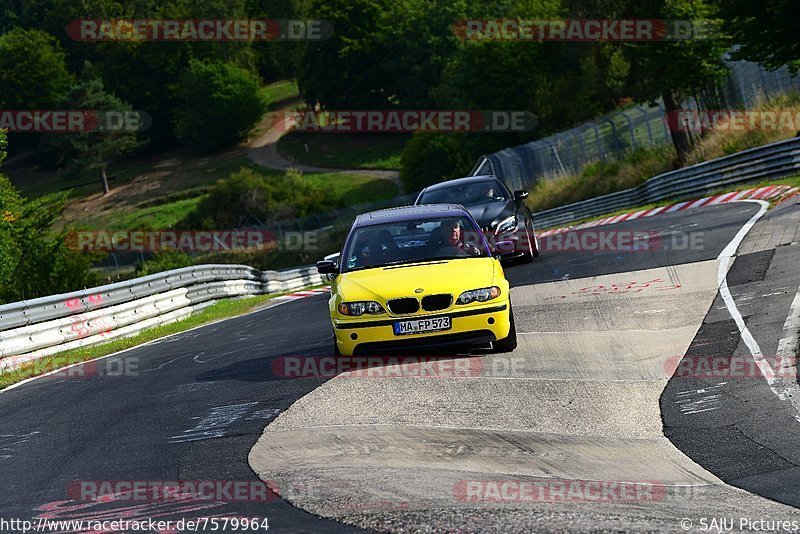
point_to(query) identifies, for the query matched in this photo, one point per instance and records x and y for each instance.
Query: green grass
(219, 310)
(279, 93)
(180, 188)
(349, 189)
(158, 217)
(639, 165)
(345, 150)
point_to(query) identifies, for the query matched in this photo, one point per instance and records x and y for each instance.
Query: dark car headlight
(506, 225)
(360, 308)
(478, 295)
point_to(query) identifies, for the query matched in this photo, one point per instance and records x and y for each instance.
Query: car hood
(492, 213)
(444, 276)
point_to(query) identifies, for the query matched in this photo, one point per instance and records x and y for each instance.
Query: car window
(471, 194)
(413, 241)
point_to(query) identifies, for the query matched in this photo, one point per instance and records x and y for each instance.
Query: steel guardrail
(777, 160)
(47, 325)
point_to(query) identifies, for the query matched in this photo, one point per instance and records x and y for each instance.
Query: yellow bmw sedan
(418, 277)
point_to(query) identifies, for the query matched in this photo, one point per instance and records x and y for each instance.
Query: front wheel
(508, 343)
(533, 247)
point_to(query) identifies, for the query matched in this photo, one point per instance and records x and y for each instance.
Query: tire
(508, 343)
(533, 251)
(535, 247)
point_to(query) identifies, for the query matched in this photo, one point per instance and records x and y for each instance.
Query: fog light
(490, 320)
(353, 336)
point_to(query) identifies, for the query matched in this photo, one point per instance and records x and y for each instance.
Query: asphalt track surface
(198, 401)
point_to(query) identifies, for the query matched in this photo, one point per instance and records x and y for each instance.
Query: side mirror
(504, 247)
(327, 267)
(520, 195)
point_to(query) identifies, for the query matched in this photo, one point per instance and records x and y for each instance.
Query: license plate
(419, 326)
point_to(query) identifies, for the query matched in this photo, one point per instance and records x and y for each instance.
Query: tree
(382, 53)
(431, 157)
(220, 104)
(32, 70)
(768, 31)
(90, 150)
(676, 70)
(34, 260)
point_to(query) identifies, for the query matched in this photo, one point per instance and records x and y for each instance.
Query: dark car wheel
(508, 343)
(533, 250)
(535, 245)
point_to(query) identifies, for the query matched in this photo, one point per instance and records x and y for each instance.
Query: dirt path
(263, 150)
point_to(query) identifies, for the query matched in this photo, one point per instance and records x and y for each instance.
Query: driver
(453, 237)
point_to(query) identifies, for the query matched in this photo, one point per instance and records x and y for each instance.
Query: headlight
(360, 308)
(506, 225)
(478, 295)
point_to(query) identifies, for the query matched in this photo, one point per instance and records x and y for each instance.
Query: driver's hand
(472, 249)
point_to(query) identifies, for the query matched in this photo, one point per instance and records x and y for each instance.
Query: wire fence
(567, 153)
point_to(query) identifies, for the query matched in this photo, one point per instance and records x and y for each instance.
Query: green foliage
(383, 53)
(163, 261)
(89, 151)
(3, 146)
(249, 198)
(433, 157)
(34, 260)
(767, 31)
(33, 74)
(220, 103)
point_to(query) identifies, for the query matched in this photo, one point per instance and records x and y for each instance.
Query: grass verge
(345, 150)
(222, 309)
(632, 169)
(279, 93)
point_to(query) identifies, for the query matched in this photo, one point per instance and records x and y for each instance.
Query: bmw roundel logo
(419, 290)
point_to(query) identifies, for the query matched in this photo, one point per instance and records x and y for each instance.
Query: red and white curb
(304, 294)
(770, 192)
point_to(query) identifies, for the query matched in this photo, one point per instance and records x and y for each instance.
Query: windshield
(413, 241)
(470, 194)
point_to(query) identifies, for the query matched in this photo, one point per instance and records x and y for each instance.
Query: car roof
(406, 213)
(462, 181)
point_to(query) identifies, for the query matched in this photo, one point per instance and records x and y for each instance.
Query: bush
(601, 178)
(35, 261)
(220, 105)
(247, 198)
(429, 158)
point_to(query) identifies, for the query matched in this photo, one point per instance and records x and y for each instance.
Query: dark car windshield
(413, 241)
(469, 194)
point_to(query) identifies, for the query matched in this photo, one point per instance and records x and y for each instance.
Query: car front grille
(403, 306)
(437, 302)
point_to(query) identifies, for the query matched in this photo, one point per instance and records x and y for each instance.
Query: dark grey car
(502, 214)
